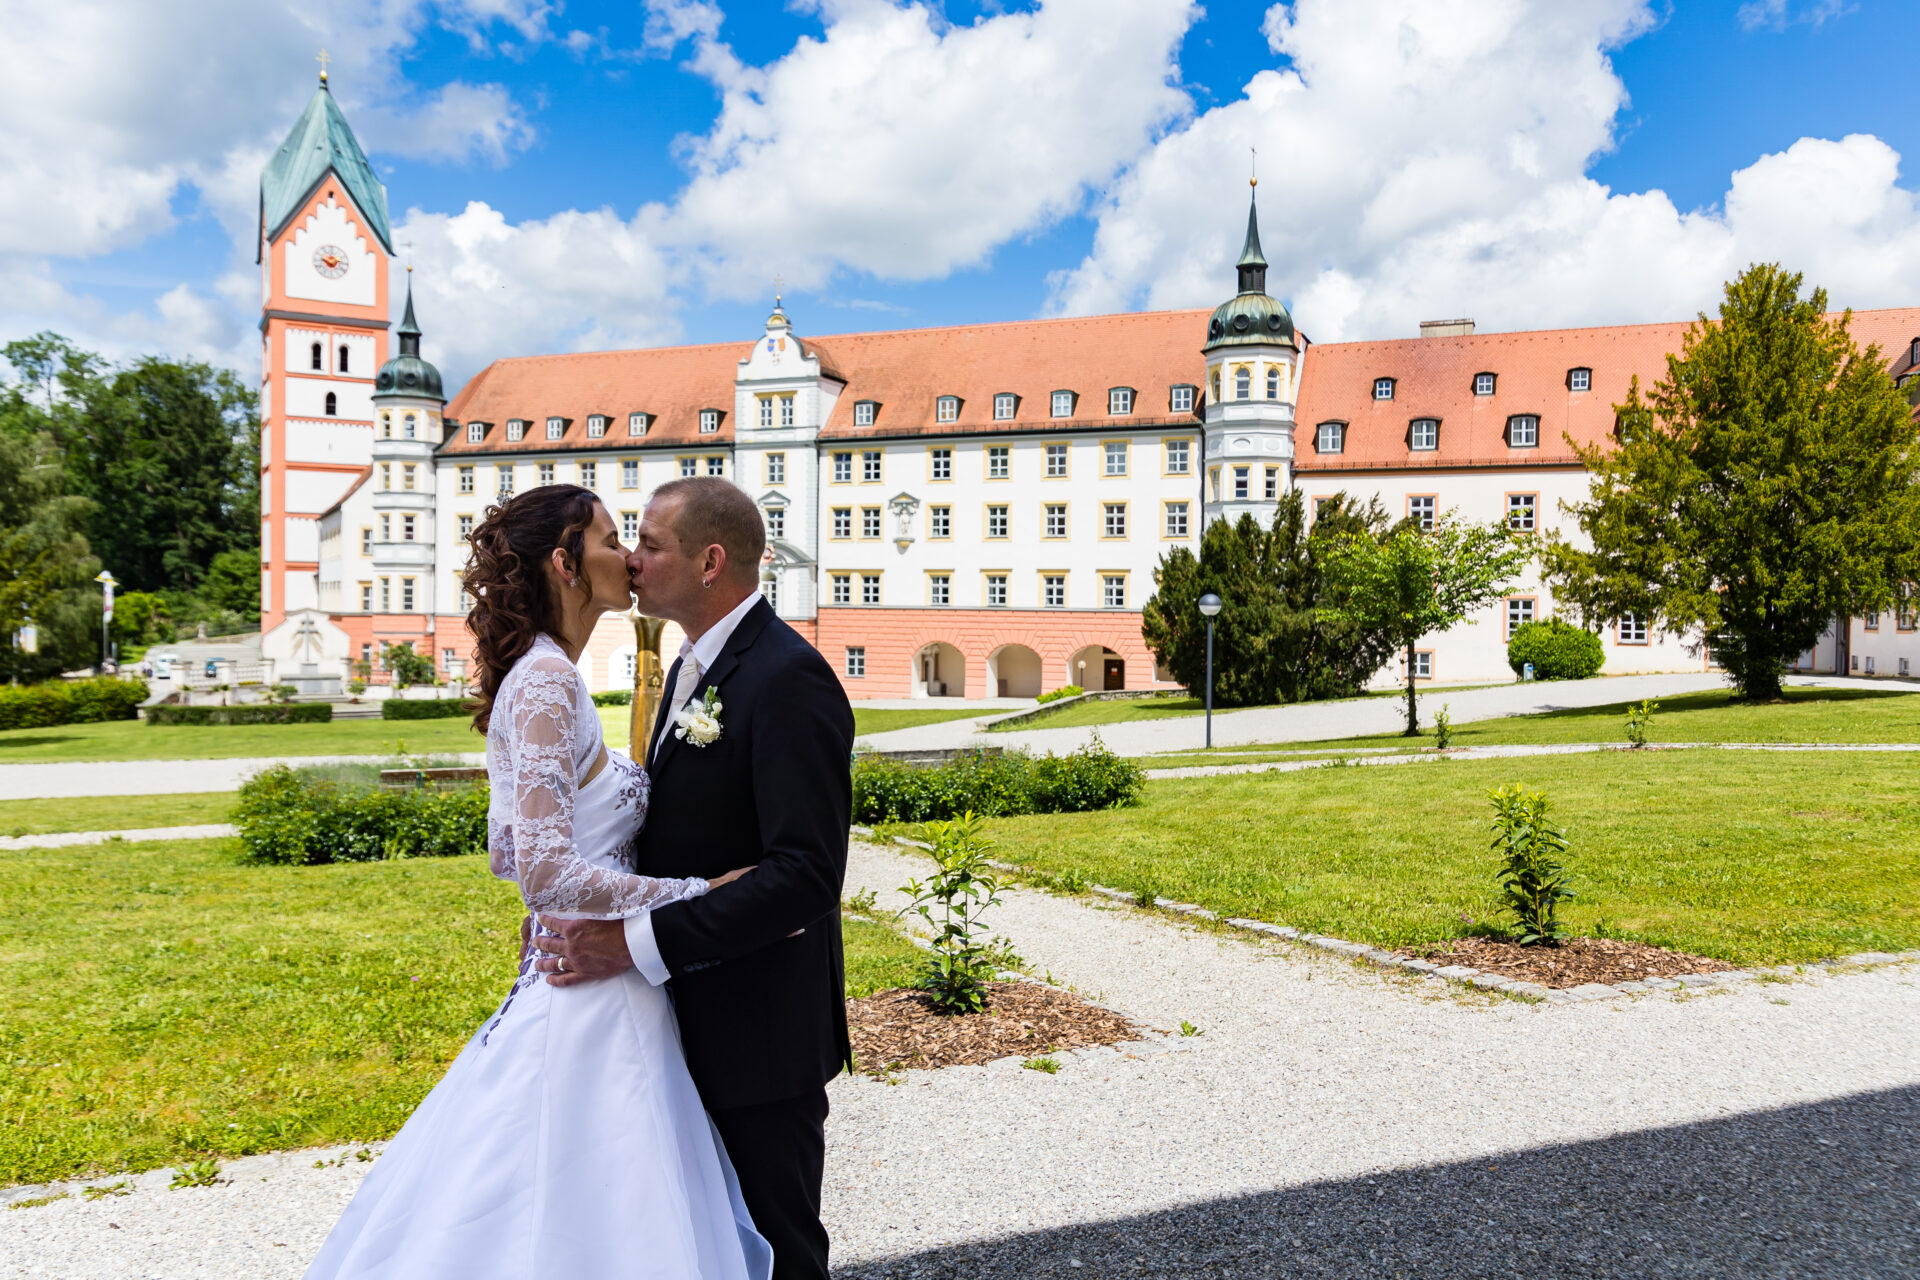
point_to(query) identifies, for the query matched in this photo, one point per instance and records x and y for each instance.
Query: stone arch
(939, 670)
(1015, 671)
(1097, 666)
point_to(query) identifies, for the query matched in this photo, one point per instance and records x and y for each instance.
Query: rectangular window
(1003, 405)
(386, 527)
(629, 526)
(1242, 484)
(406, 595)
(556, 427)
(1056, 461)
(1420, 510)
(1869, 665)
(1383, 388)
(629, 473)
(776, 522)
(1523, 431)
(1273, 484)
(366, 597)
(856, 660)
(1176, 520)
(689, 468)
(996, 590)
(1179, 458)
(466, 480)
(939, 588)
(1120, 400)
(946, 409)
(589, 475)
(709, 421)
(1520, 511)
(466, 527)
(869, 522)
(596, 426)
(476, 432)
(546, 474)
(1113, 590)
(1053, 590)
(939, 522)
(1579, 379)
(386, 595)
(516, 428)
(1056, 520)
(997, 461)
(843, 588)
(1903, 612)
(996, 521)
(386, 476)
(870, 466)
(1329, 437)
(716, 464)
(1182, 399)
(1113, 520)
(776, 468)
(863, 413)
(940, 462)
(766, 411)
(1423, 664)
(366, 541)
(843, 468)
(407, 526)
(1483, 384)
(1873, 620)
(1632, 630)
(1115, 457)
(503, 479)
(636, 424)
(843, 522)
(407, 477)
(1424, 434)
(1519, 613)
(869, 588)
(1063, 404)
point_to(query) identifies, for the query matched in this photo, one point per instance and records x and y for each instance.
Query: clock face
(330, 261)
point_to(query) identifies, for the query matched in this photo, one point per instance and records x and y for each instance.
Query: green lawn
(112, 813)
(163, 1003)
(1751, 857)
(138, 740)
(880, 719)
(1159, 707)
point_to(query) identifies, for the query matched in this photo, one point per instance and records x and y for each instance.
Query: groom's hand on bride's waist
(585, 951)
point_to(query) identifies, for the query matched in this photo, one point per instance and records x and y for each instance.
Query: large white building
(979, 510)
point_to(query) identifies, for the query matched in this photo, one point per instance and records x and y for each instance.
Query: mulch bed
(900, 1028)
(1573, 963)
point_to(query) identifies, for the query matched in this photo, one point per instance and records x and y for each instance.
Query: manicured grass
(137, 740)
(878, 958)
(1748, 856)
(164, 1003)
(881, 719)
(1100, 711)
(112, 813)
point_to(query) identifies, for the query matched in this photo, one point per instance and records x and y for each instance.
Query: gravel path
(162, 777)
(60, 839)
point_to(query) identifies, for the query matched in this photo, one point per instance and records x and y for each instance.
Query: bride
(567, 1138)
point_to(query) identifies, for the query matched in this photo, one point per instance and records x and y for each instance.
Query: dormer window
(556, 428)
(476, 432)
(332, 405)
(1523, 431)
(1063, 404)
(317, 359)
(1004, 403)
(1180, 398)
(1120, 401)
(1579, 379)
(636, 424)
(1330, 437)
(863, 412)
(1913, 352)
(709, 421)
(946, 409)
(1423, 434)
(516, 428)
(1273, 382)
(1243, 383)
(1483, 384)
(596, 425)
(1383, 388)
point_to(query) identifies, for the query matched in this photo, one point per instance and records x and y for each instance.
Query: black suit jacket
(762, 1015)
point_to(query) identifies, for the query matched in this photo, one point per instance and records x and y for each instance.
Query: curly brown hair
(512, 603)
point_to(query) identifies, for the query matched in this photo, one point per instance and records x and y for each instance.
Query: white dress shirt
(705, 652)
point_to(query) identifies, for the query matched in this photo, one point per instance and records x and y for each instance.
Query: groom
(755, 967)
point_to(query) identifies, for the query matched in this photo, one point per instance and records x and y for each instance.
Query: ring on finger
(560, 965)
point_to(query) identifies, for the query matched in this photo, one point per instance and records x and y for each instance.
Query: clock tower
(323, 253)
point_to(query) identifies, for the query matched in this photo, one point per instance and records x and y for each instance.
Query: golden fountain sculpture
(649, 680)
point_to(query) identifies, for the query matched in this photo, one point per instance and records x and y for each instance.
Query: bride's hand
(729, 878)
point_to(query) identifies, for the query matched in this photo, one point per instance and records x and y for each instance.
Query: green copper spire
(320, 142)
(409, 330)
(1253, 264)
(407, 374)
(1251, 318)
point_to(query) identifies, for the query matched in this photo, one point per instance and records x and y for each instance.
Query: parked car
(213, 668)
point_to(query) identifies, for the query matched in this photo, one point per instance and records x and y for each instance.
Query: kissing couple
(650, 1098)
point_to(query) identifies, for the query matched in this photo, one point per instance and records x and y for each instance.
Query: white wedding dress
(567, 1139)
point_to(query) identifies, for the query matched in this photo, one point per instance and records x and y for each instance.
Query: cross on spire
(408, 245)
(1253, 166)
(323, 59)
(779, 287)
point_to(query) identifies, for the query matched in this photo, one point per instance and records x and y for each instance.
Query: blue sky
(595, 107)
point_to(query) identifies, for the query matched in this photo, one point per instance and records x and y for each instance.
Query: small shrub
(256, 713)
(1048, 1066)
(200, 1173)
(1064, 691)
(1089, 779)
(41, 706)
(1442, 729)
(952, 900)
(1532, 880)
(303, 817)
(284, 692)
(993, 785)
(356, 687)
(424, 708)
(1188, 1029)
(613, 698)
(1640, 722)
(863, 903)
(409, 668)
(1558, 650)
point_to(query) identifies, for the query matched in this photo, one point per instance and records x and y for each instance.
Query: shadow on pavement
(1824, 1190)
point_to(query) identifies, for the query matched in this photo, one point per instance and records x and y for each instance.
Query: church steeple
(321, 141)
(1253, 263)
(409, 330)
(407, 375)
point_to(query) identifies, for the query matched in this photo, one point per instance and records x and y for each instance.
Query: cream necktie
(683, 686)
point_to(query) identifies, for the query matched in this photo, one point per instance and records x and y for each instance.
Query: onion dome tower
(1252, 373)
(407, 402)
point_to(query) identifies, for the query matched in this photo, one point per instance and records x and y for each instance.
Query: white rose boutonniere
(699, 722)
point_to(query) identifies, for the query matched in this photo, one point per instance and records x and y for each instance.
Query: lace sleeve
(554, 878)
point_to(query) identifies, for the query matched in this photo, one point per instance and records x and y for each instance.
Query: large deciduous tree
(46, 572)
(1765, 487)
(1273, 641)
(1417, 581)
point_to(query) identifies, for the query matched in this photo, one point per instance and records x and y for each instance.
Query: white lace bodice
(542, 741)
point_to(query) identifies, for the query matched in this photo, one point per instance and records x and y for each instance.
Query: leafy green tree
(1273, 641)
(1414, 582)
(140, 618)
(1764, 488)
(233, 582)
(409, 668)
(46, 571)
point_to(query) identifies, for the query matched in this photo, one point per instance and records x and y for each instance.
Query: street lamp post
(1209, 606)
(107, 584)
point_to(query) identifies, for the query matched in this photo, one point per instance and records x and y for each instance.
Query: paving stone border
(1463, 974)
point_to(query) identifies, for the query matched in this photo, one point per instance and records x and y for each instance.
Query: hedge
(1557, 650)
(303, 817)
(1064, 691)
(425, 708)
(41, 706)
(613, 698)
(251, 713)
(993, 785)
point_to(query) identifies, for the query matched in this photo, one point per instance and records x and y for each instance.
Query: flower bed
(317, 815)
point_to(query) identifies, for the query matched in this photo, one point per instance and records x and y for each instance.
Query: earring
(572, 581)
(706, 582)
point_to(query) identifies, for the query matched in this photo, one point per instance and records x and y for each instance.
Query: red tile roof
(1434, 379)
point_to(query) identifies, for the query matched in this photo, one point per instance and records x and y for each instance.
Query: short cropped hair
(714, 509)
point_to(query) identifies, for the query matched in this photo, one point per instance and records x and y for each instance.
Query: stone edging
(1464, 974)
